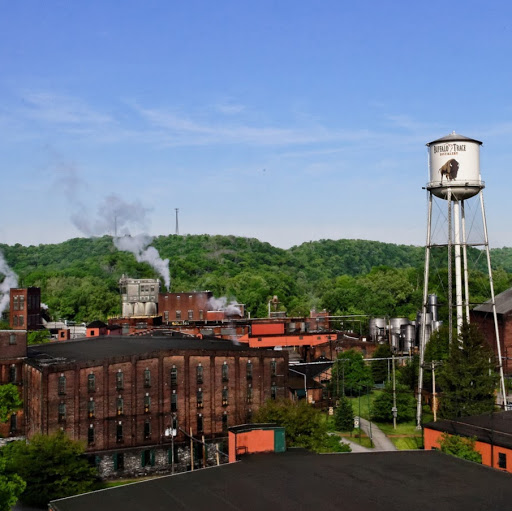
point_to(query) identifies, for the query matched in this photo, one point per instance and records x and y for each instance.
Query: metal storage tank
(150, 309)
(432, 306)
(407, 337)
(395, 324)
(377, 329)
(139, 309)
(127, 310)
(454, 163)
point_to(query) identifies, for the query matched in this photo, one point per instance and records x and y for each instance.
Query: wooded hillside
(79, 278)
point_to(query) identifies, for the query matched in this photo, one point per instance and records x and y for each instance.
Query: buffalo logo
(449, 169)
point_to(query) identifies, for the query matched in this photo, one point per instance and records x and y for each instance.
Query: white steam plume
(222, 304)
(10, 280)
(44, 306)
(138, 246)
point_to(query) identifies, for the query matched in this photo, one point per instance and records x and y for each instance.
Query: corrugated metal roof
(503, 303)
(454, 137)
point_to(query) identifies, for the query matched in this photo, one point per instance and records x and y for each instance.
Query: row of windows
(91, 378)
(18, 302)
(18, 320)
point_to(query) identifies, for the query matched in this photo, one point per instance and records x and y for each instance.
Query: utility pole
(434, 395)
(394, 410)
(177, 225)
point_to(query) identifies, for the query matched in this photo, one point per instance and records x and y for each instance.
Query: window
(201, 314)
(119, 380)
(119, 405)
(147, 403)
(62, 412)
(225, 372)
(91, 408)
(273, 368)
(199, 374)
(147, 430)
(174, 401)
(199, 398)
(199, 422)
(249, 415)
(225, 396)
(147, 458)
(166, 316)
(190, 314)
(12, 339)
(16, 303)
(273, 391)
(90, 435)
(175, 423)
(119, 432)
(178, 314)
(118, 461)
(22, 303)
(249, 370)
(174, 376)
(502, 460)
(13, 374)
(15, 321)
(249, 393)
(225, 422)
(62, 385)
(147, 378)
(22, 320)
(14, 423)
(91, 383)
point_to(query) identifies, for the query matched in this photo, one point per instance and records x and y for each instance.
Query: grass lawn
(364, 403)
(408, 442)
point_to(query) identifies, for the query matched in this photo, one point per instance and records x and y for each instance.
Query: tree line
(79, 277)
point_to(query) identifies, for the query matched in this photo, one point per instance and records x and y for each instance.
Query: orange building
(251, 438)
(493, 435)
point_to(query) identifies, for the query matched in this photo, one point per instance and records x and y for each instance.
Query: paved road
(380, 440)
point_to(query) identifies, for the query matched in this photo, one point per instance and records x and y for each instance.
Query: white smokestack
(138, 246)
(10, 280)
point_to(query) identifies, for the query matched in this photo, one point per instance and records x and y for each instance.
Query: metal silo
(377, 329)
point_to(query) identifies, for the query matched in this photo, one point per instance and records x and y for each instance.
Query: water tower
(454, 170)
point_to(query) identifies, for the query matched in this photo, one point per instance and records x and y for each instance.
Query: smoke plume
(139, 247)
(10, 280)
(222, 304)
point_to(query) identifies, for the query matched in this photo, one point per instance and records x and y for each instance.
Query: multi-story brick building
(25, 308)
(13, 350)
(122, 395)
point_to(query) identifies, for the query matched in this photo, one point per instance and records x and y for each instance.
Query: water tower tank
(454, 163)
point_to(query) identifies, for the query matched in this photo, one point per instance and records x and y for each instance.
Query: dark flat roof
(495, 428)
(105, 347)
(380, 481)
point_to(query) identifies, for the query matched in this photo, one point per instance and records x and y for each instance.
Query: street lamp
(171, 432)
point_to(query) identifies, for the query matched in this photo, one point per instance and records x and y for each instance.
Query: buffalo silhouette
(449, 169)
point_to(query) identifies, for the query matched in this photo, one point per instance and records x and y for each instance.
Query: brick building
(493, 435)
(483, 316)
(25, 308)
(122, 395)
(13, 350)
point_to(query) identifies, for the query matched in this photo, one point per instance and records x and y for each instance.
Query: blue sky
(288, 121)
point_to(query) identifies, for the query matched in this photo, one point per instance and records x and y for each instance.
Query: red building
(183, 306)
(25, 308)
(13, 350)
(493, 435)
(483, 316)
(122, 395)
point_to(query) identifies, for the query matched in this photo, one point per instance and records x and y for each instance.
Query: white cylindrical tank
(377, 328)
(150, 309)
(127, 310)
(454, 164)
(139, 309)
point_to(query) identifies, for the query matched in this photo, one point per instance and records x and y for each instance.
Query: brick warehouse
(120, 395)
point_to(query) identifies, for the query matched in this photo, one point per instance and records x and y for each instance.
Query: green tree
(38, 337)
(344, 415)
(380, 367)
(405, 404)
(52, 466)
(11, 487)
(350, 373)
(305, 426)
(468, 378)
(461, 447)
(10, 401)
